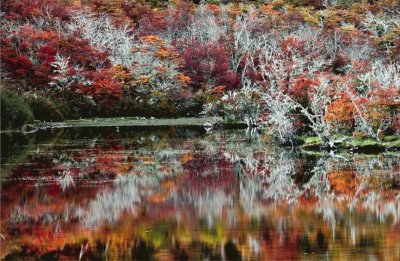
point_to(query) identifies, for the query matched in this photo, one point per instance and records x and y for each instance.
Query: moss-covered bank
(355, 144)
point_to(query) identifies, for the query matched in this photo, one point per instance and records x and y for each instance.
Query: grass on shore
(391, 142)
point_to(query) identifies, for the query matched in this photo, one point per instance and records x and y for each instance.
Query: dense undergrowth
(322, 68)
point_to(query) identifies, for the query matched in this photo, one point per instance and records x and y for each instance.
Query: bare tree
(104, 35)
(381, 77)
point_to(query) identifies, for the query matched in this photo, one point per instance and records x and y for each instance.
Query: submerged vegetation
(320, 68)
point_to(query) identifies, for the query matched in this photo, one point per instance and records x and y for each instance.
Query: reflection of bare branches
(319, 183)
(66, 180)
(109, 204)
(280, 183)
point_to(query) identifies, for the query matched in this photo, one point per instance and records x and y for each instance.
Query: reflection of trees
(224, 179)
(270, 174)
(129, 189)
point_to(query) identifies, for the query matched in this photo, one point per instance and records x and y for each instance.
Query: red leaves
(361, 66)
(208, 66)
(301, 87)
(46, 54)
(291, 45)
(28, 9)
(105, 86)
(17, 65)
(82, 54)
(150, 21)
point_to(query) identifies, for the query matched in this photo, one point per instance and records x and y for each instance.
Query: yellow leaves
(312, 19)
(347, 28)
(392, 36)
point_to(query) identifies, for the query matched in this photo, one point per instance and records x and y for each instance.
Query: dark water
(183, 194)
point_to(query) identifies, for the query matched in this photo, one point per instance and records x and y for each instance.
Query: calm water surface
(183, 194)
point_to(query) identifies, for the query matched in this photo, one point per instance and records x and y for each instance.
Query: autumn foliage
(183, 58)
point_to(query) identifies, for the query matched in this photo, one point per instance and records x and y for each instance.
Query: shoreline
(306, 143)
(126, 122)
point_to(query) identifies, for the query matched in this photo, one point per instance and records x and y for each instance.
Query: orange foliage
(146, 159)
(343, 181)
(158, 198)
(122, 73)
(152, 39)
(183, 79)
(187, 157)
(214, 8)
(162, 53)
(219, 90)
(340, 112)
(143, 79)
(168, 184)
(235, 11)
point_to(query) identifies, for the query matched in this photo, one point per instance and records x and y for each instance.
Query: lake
(180, 193)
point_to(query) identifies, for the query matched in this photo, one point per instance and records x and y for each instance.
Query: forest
(323, 68)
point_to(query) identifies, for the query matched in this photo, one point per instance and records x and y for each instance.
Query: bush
(74, 105)
(14, 110)
(43, 109)
(126, 107)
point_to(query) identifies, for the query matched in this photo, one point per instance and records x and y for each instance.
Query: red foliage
(16, 65)
(291, 44)
(82, 54)
(301, 87)
(208, 66)
(180, 15)
(106, 86)
(361, 66)
(46, 54)
(150, 22)
(27, 9)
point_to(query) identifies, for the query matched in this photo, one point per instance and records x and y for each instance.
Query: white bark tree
(104, 35)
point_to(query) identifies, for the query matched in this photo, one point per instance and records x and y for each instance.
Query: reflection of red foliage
(205, 173)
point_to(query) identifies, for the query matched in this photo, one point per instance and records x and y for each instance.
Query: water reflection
(176, 193)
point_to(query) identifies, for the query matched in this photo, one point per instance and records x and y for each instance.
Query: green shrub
(43, 109)
(15, 112)
(126, 107)
(74, 105)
